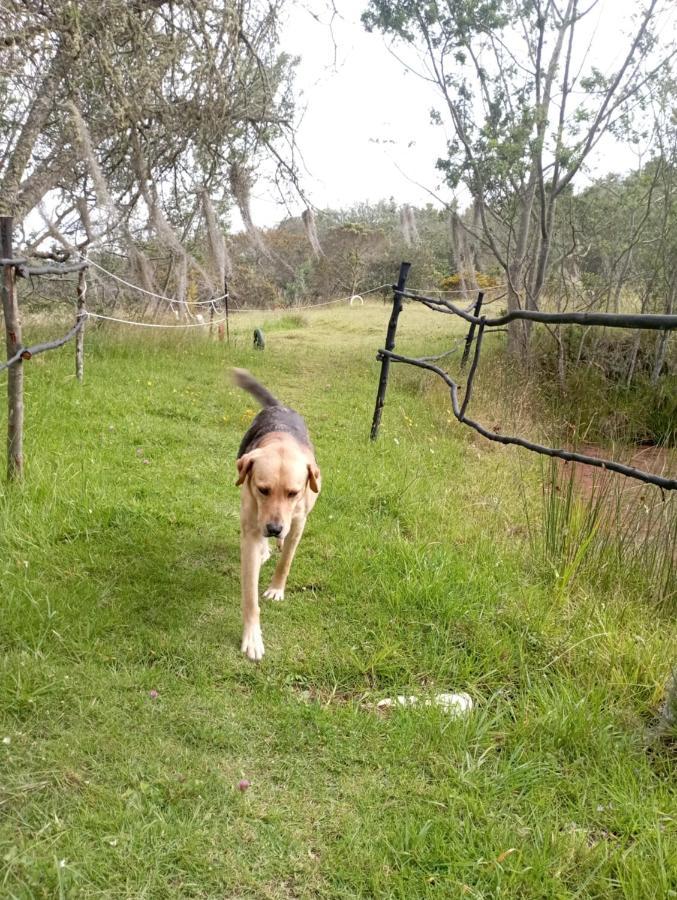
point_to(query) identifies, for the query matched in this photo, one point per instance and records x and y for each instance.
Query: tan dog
(280, 483)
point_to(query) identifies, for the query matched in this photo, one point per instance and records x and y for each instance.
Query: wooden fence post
(390, 345)
(80, 336)
(15, 374)
(471, 330)
(225, 298)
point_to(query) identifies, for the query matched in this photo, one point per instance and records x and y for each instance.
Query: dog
(280, 482)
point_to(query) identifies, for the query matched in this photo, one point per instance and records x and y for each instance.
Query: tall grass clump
(605, 533)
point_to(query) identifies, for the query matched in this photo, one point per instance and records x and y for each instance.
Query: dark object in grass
(259, 340)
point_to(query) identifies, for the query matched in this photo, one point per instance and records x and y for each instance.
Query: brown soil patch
(589, 479)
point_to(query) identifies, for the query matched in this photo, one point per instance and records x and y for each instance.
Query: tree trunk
(15, 375)
(519, 332)
(662, 339)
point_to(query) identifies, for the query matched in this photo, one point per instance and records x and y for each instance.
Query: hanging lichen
(408, 226)
(220, 259)
(141, 269)
(103, 197)
(308, 217)
(240, 186)
(181, 289)
(464, 260)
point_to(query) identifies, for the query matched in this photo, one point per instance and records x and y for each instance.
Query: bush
(453, 282)
(603, 395)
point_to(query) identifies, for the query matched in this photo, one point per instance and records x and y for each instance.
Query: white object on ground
(453, 704)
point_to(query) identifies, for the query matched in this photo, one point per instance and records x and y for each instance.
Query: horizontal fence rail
(612, 320)
(25, 353)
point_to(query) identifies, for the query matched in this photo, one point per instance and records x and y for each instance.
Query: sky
(365, 132)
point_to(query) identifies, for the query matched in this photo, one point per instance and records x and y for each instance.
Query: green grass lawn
(119, 560)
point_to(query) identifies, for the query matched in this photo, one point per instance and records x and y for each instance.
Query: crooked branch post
(390, 345)
(15, 375)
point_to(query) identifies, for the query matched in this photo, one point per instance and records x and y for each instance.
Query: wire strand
(309, 306)
(136, 287)
(152, 324)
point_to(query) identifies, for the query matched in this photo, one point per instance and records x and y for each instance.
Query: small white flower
(7, 740)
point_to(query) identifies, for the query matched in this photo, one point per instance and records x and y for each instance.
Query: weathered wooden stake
(390, 345)
(471, 330)
(225, 298)
(15, 374)
(80, 336)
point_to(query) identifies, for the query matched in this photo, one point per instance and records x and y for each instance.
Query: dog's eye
(265, 491)
(292, 494)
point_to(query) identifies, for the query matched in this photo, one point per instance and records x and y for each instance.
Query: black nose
(273, 530)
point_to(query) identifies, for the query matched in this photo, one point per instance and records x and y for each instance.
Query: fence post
(471, 330)
(390, 345)
(80, 336)
(15, 374)
(225, 298)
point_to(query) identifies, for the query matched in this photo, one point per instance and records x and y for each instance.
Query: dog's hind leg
(291, 542)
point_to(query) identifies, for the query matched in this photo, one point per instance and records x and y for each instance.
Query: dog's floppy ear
(244, 465)
(314, 477)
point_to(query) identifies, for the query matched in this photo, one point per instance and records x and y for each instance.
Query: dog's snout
(273, 529)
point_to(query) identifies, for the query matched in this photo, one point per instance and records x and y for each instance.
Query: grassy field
(119, 560)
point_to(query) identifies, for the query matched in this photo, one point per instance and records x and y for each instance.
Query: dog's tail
(247, 382)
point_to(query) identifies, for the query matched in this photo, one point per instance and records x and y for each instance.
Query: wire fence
(141, 290)
(483, 325)
(26, 353)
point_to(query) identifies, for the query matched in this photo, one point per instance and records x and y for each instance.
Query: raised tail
(247, 382)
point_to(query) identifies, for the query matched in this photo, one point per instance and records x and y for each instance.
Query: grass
(119, 560)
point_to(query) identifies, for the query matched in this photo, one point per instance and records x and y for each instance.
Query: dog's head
(277, 477)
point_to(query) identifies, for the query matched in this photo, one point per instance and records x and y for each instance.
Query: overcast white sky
(368, 96)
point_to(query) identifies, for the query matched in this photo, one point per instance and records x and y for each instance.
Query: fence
(481, 325)
(17, 353)
(13, 267)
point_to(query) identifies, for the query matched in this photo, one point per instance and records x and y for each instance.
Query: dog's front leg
(250, 565)
(291, 542)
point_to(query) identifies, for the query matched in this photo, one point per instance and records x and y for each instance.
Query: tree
(123, 113)
(510, 74)
(124, 117)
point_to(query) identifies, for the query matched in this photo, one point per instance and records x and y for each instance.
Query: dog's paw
(252, 642)
(274, 593)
